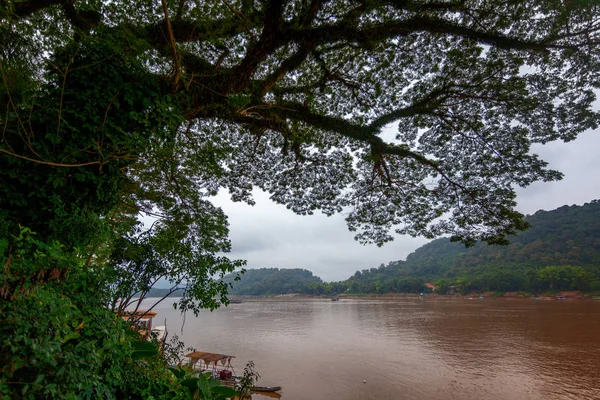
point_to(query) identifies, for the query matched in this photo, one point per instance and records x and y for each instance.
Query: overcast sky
(269, 235)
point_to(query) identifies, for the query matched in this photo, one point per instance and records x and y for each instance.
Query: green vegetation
(561, 251)
(272, 281)
(116, 111)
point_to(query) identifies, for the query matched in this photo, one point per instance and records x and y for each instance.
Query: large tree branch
(286, 66)
(309, 13)
(277, 33)
(193, 31)
(367, 134)
(424, 106)
(180, 9)
(176, 65)
(302, 113)
(269, 41)
(375, 33)
(26, 8)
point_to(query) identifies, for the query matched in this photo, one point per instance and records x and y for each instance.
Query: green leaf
(178, 372)
(70, 336)
(3, 245)
(190, 383)
(39, 379)
(143, 350)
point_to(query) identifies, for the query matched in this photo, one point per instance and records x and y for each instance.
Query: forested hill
(557, 242)
(569, 235)
(270, 281)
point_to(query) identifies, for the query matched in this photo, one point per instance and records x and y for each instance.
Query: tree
(565, 277)
(462, 285)
(179, 252)
(293, 97)
(442, 285)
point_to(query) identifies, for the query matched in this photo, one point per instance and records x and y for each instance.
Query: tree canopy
(182, 98)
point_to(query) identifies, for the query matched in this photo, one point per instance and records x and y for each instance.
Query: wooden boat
(234, 380)
(209, 362)
(266, 388)
(335, 299)
(235, 301)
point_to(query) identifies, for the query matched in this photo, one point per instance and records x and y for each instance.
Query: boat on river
(266, 388)
(220, 367)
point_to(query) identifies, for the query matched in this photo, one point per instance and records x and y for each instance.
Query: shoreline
(564, 295)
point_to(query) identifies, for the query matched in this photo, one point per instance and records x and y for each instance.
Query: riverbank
(560, 295)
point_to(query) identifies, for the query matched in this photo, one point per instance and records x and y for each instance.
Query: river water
(406, 348)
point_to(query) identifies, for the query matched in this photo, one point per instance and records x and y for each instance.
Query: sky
(269, 235)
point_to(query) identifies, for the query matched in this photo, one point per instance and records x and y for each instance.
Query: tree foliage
(59, 340)
(270, 281)
(180, 252)
(293, 97)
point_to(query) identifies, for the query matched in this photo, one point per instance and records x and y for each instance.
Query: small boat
(140, 320)
(266, 388)
(209, 362)
(335, 299)
(235, 301)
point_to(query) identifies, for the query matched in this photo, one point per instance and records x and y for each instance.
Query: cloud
(580, 164)
(269, 235)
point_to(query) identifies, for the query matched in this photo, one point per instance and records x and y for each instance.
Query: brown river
(406, 348)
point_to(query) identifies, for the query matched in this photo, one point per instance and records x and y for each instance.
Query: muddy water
(408, 349)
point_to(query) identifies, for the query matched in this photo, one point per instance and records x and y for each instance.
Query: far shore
(563, 295)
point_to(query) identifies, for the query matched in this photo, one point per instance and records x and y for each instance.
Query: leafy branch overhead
(409, 116)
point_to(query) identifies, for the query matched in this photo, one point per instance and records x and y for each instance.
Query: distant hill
(158, 292)
(567, 237)
(561, 251)
(271, 281)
